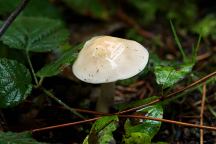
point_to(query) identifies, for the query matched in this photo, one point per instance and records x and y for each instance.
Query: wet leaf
(101, 131)
(17, 138)
(137, 138)
(169, 75)
(142, 131)
(35, 34)
(15, 83)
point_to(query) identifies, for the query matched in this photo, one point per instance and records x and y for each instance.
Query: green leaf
(35, 34)
(94, 8)
(142, 131)
(101, 131)
(57, 66)
(137, 138)
(169, 75)
(15, 83)
(206, 26)
(17, 138)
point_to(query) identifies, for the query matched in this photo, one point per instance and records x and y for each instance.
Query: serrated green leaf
(17, 138)
(168, 75)
(142, 131)
(15, 83)
(101, 131)
(35, 34)
(93, 8)
(57, 66)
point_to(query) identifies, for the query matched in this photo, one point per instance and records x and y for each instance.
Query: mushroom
(104, 60)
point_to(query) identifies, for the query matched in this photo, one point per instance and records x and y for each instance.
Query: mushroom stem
(105, 100)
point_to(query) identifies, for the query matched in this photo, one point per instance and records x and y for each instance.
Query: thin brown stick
(201, 112)
(172, 94)
(64, 125)
(203, 56)
(12, 16)
(170, 121)
(127, 116)
(90, 111)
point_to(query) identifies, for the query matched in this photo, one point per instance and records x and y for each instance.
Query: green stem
(62, 103)
(31, 67)
(105, 100)
(39, 83)
(178, 41)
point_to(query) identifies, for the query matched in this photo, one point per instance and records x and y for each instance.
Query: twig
(90, 112)
(172, 94)
(12, 16)
(62, 103)
(64, 125)
(202, 111)
(170, 121)
(203, 56)
(127, 116)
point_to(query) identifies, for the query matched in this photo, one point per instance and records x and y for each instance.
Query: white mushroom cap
(106, 59)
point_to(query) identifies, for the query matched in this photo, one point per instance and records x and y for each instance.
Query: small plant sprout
(104, 60)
